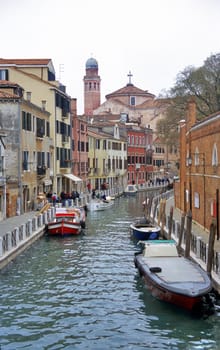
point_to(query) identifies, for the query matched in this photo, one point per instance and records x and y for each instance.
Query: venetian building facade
(198, 187)
(27, 154)
(37, 78)
(79, 149)
(132, 104)
(107, 157)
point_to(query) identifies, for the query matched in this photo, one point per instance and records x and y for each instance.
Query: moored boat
(170, 277)
(99, 205)
(145, 230)
(130, 190)
(67, 221)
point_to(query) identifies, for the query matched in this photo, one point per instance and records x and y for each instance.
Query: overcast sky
(154, 39)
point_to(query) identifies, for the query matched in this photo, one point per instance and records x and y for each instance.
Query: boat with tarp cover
(170, 277)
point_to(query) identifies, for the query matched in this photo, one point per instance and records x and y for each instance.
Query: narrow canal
(85, 293)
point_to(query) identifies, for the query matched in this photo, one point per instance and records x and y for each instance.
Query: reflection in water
(84, 293)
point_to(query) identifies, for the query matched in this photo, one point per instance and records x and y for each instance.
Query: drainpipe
(19, 210)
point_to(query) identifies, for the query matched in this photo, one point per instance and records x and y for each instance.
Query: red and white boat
(67, 221)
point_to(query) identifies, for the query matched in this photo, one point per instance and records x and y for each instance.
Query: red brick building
(140, 166)
(198, 188)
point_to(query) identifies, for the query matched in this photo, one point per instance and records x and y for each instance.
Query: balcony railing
(41, 170)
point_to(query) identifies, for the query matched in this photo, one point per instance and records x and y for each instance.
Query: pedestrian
(89, 187)
(54, 198)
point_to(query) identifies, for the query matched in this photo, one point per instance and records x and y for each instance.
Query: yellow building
(28, 150)
(37, 78)
(107, 158)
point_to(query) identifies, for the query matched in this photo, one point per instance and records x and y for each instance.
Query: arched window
(214, 155)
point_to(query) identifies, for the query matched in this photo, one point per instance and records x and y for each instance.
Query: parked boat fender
(155, 269)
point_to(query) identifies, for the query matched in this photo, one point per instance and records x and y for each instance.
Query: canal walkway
(10, 223)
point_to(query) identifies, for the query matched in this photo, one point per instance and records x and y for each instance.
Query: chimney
(44, 105)
(28, 96)
(191, 113)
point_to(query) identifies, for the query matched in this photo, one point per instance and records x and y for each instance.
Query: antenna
(61, 70)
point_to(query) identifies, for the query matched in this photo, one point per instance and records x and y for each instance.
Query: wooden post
(148, 206)
(160, 212)
(182, 224)
(188, 233)
(211, 247)
(163, 216)
(170, 222)
(155, 210)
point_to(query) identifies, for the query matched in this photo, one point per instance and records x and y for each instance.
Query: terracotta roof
(8, 95)
(6, 83)
(130, 89)
(24, 61)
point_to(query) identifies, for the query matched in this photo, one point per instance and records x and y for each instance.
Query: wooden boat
(144, 230)
(170, 277)
(99, 205)
(130, 190)
(67, 221)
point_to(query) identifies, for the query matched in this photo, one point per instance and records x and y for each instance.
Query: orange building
(79, 145)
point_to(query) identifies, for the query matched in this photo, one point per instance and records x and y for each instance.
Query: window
(25, 160)
(40, 159)
(214, 156)
(196, 157)
(3, 74)
(196, 200)
(132, 101)
(48, 159)
(97, 144)
(26, 121)
(40, 127)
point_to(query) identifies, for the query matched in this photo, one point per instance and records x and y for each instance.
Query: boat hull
(183, 284)
(64, 228)
(144, 232)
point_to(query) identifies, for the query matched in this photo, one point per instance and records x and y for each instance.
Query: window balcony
(41, 170)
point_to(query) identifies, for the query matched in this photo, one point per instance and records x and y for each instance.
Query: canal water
(85, 293)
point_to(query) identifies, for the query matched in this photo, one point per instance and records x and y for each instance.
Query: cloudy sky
(154, 39)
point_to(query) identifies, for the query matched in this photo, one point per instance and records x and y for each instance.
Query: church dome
(91, 63)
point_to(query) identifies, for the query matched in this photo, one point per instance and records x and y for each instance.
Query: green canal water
(85, 293)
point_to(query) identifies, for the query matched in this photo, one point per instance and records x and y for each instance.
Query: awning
(47, 182)
(73, 177)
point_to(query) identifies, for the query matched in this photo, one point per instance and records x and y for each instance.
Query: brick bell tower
(92, 84)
